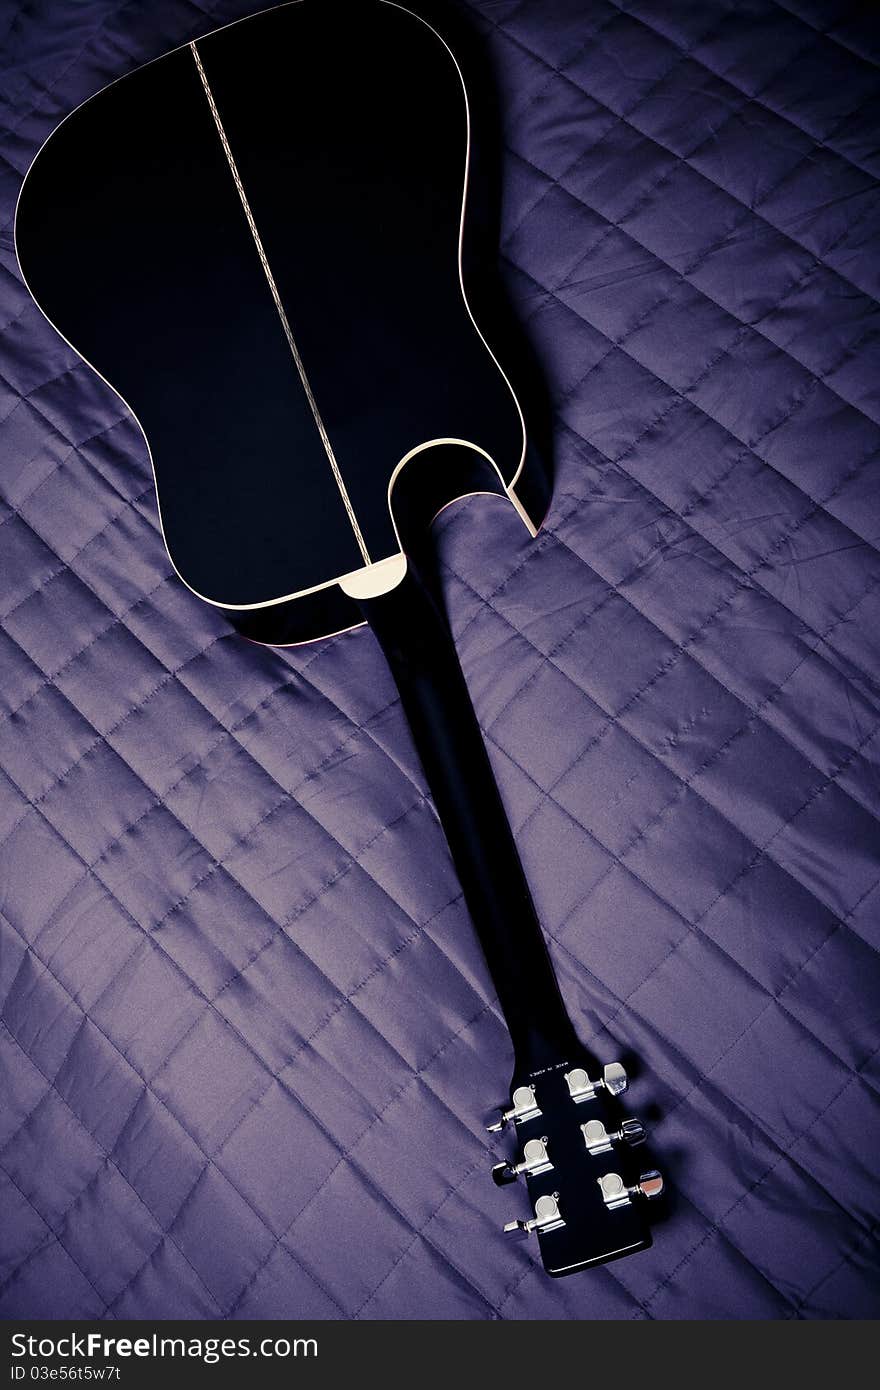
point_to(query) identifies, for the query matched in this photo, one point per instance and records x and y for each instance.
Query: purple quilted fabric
(247, 1038)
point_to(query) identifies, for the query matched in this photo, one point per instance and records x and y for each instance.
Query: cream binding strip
(288, 333)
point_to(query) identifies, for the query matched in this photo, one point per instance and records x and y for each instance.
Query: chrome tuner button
(650, 1185)
(547, 1211)
(596, 1137)
(524, 1102)
(535, 1158)
(614, 1191)
(524, 1108)
(615, 1078)
(632, 1132)
(580, 1087)
(547, 1218)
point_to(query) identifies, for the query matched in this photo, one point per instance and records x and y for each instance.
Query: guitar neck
(418, 645)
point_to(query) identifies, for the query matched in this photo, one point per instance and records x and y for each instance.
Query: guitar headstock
(575, 1150)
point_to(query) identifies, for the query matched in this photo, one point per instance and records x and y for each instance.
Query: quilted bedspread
(248, 1041)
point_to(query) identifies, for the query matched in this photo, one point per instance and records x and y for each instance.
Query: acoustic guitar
(257, 241)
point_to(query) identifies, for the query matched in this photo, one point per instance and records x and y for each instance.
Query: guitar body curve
(301, 173)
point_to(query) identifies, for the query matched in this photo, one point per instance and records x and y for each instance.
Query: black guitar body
(348, 124)
(258, 242)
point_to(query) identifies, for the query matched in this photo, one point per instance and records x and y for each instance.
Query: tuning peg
(615, 1192)
(534, 1160)
(613, 1080)
(524, 1108)
(547, 1218)
(632, 1132)
(598, 1140)
(650, 1185)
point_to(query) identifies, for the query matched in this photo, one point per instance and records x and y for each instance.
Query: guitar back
(255, 241)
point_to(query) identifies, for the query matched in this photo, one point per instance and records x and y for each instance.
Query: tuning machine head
(535, 1160)
(565, 1123)
(614, 1080)
(547, 1218)
(615, 1192)
(599, 1140)
(523, 1107)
